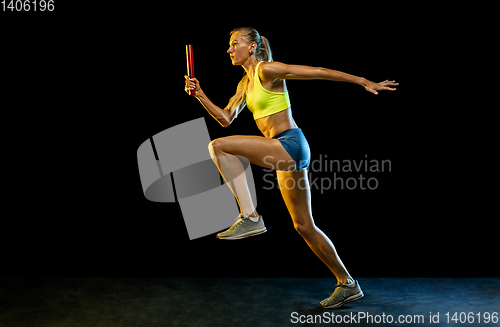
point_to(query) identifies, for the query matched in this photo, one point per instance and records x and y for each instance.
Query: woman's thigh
(261, 151)
(294, 187)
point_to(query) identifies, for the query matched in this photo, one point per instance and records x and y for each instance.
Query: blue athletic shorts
(295, 143)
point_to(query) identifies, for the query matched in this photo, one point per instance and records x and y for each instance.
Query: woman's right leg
(261, 151)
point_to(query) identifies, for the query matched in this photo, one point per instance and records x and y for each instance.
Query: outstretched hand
(374, 87)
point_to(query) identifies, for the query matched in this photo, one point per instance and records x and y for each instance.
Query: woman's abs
(272, 125)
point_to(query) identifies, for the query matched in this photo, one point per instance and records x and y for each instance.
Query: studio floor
(114, 302)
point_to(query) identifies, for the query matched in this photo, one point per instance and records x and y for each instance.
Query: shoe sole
(351, 298)
(247, 234)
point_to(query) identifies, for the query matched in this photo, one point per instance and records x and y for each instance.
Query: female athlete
(282, 148)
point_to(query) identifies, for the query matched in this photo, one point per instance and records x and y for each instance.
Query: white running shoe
(243, 227)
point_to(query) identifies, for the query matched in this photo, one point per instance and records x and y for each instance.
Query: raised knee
(215, 147)
(211, 148)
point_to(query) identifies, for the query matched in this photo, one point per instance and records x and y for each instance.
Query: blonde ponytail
(265, 53)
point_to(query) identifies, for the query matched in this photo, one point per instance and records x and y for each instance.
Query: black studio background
(86, 86)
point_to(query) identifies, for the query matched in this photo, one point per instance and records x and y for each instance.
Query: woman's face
(239, 50)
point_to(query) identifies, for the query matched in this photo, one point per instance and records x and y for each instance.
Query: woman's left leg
(295, 191)
(294, 186)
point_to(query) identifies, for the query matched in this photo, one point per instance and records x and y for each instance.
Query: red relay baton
(190, 64)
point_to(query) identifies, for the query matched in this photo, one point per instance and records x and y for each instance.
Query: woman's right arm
(222, 116)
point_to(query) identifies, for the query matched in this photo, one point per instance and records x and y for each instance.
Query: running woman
(282, 148)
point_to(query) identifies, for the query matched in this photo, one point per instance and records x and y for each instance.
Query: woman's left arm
(277, 70)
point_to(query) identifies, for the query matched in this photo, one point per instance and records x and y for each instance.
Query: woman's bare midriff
(273, 125)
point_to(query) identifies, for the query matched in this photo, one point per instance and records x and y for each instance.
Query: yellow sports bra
(262, 102)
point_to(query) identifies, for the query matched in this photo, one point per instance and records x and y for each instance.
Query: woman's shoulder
(268, 70)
